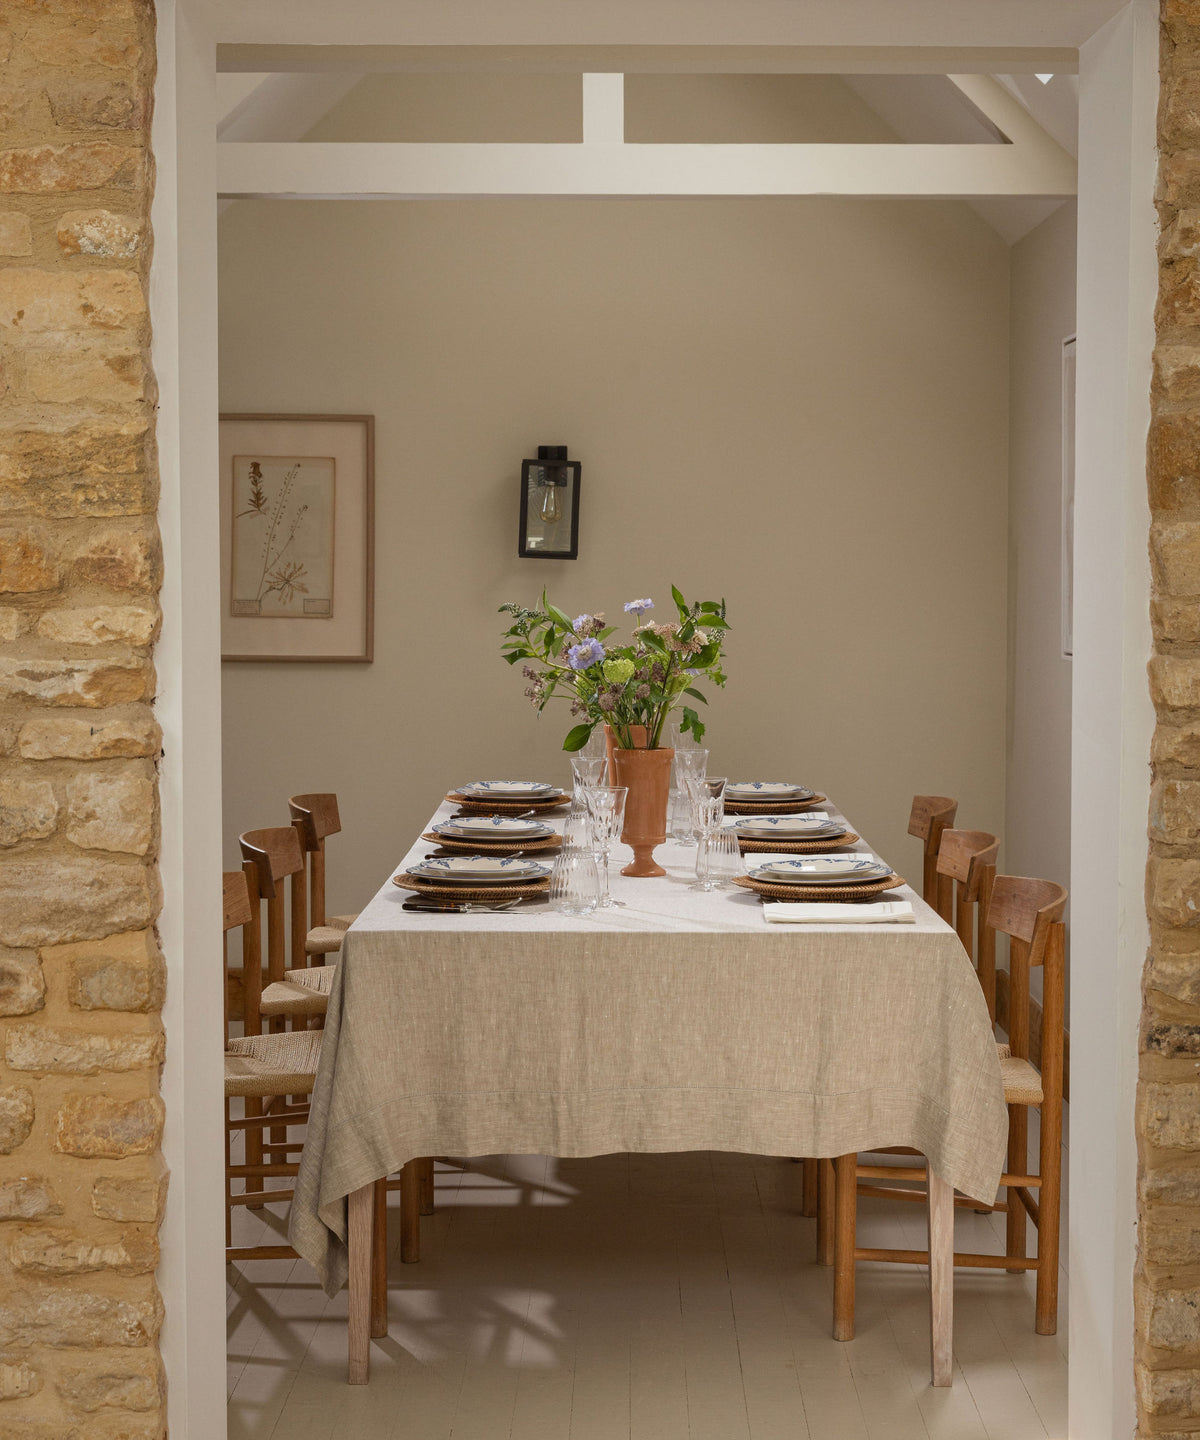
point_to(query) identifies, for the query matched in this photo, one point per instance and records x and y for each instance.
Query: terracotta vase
(647, 776)
(637, 733)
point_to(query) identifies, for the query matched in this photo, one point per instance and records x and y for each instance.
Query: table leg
(845, 1216)
(379, 1259)
(941, 1278)
(410, 1213)
(361, 1224)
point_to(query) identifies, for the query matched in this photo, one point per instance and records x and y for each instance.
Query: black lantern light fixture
(550, 505)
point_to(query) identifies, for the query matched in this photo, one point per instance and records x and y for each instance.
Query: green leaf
(563, 620)
(696, 695)
(578, 736)
(677, 596)
(512, 659)
(715, 622)
(653, 642)
(708, 656)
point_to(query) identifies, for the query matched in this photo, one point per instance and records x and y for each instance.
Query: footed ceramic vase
(646, 774)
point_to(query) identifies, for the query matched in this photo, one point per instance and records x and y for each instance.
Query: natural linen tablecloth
(681, 1021)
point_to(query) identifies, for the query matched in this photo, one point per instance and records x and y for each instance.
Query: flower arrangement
(622, 685)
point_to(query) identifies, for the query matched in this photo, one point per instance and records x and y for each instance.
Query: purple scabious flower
(581, 624)
(586, 653)
(638, 607)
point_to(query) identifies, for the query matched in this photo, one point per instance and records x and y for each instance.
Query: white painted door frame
(1111, 725)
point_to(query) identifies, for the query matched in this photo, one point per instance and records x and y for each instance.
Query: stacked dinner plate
(767, 797)
(787, 829)
(847, 869)
(494, 829)
(507, 797)
(466, 877)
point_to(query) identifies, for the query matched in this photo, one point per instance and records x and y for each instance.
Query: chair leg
(254, 1147)
(825, 1202)
(360, 1221)
(228, 1182)
(410, 1213)
(845, 1239)
(808, 1207)
(379, 1256)
(1018, 1160)
(1049, 1200)
(426, 1184)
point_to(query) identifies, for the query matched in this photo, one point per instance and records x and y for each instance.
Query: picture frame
(297, 514)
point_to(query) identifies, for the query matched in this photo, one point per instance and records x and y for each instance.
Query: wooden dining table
(674, 1020)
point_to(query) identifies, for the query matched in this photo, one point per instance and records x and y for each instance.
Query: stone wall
(81, 977)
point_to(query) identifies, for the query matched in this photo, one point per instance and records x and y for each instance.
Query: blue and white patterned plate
(508, 789)
(767, 790)
(493, 827)
(480, 869)
(788, 827)
(822, 870)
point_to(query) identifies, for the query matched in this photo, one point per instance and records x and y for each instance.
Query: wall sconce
(550, 505)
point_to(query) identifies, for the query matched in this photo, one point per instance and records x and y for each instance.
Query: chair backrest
(929, 816)
(315, 817)
(269, 856)
(967, 858)
(1030, 913)
(238, 911)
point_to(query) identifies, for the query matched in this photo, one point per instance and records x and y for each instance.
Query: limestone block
(22, 985)
(27, 562)
(57, 1051)
(1176, 552)
(74, 46)
(56, 1252)
(119, 557)
(28, 1197)
(22, 106)
(12, 623)
(1177, 976)
(1179, 180)
(19, 1381)
(55, 737)
(1175, 891)
(1175, 620)
(58, 899)
(1171, 1116)
(1173, 453)
(76, 1319)
(16, 1428)
(132, 1198)
(95, 449)
(51, 169)
(1175, 681)
(99, 624)
(1169, 1234)
(1171, 1317)
(111, 812)
(123, 973)
(28, 811)
(95, 12)
(94, 375)
(131, 1382)
(98, 232)
(1175, 811)
(1169, 1392)
(99, 1127)
(1171, 1038)
(114, 680)
(1178, 305)
(16, 1117)
(91, 105)
(1179, 116)
(34, 301)
(16, 235)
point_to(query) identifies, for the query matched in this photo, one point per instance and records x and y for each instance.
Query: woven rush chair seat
(341, 922)
(323, 940)
(1022, 1083)
(300, 992)
(283, 1064)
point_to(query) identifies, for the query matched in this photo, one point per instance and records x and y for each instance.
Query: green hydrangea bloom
(616, 672)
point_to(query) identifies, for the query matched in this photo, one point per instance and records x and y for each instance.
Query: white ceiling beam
(395, 171)
(286, 107)
(604, 109)
(1009, 116)
(650, 59)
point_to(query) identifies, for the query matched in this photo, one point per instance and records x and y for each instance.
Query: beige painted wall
(801, 404)
(1038, 801)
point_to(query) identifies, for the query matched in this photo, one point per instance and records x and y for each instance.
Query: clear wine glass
(606, 807)
(588, 769)
(708, 811)
(690, 763)
(724, 859)
(574, 881)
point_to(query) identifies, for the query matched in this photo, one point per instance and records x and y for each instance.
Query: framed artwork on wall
(298, 537)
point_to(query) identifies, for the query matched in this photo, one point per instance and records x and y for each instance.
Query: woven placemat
(471, 806)
(449, 891)
(491, 847)
(797, 847)
(772, 807)
(859, 891)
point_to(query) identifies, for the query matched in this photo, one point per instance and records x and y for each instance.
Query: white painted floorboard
(638, 1297)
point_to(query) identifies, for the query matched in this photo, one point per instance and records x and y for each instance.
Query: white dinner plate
(480, 869)
(767, 790)
(791, 827)
(493, 827)
(822, 870)
(509, 789)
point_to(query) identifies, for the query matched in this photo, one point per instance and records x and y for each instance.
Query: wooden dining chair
(929, 816)
(967, 858)
(1030, 913)
(316, 817)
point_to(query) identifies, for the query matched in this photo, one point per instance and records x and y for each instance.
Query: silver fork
(460, 907)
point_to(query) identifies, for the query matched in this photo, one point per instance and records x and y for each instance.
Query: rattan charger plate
(480, 847)
(797, 847)
(529, 891)
(859, 891)
(471, 806)
(772, 807)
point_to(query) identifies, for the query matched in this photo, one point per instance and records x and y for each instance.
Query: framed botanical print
(297, 537)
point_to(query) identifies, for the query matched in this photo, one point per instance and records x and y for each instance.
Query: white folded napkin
(879, 912)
